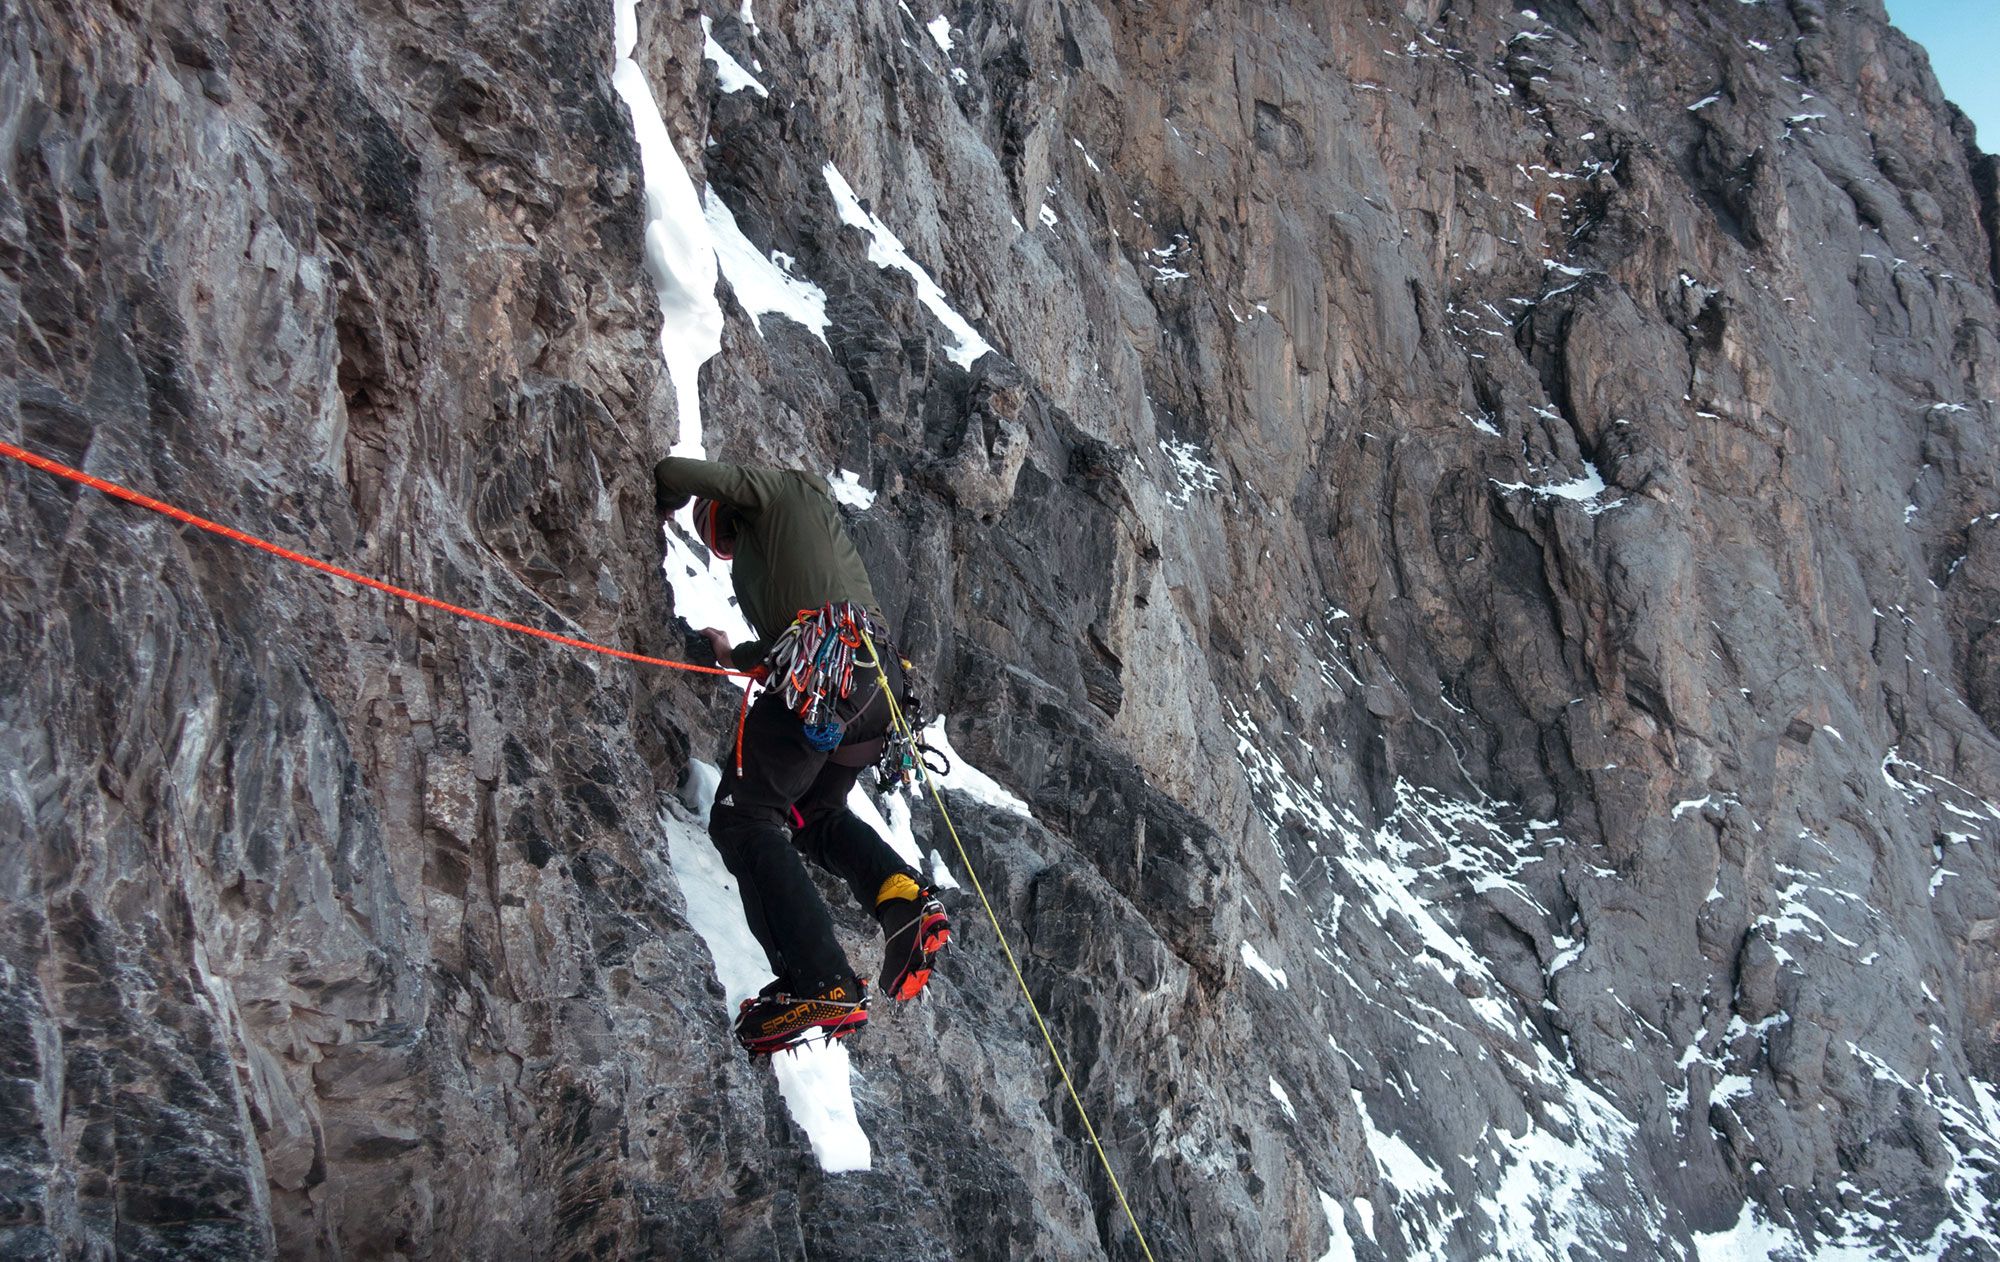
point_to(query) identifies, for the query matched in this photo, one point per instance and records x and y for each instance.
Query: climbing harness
(814, 661)
(901, 724)
(841, 625)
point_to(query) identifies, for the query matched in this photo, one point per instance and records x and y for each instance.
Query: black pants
(791, 800)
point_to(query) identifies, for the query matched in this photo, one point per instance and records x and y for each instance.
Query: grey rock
(1432, 855)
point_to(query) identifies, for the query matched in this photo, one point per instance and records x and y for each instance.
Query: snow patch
(703, 593)
(762, 285)
(1284, 1100)
(900, 840)
(1192, 474)
(1583, 490)
(1691, 804)
(817, 1085)
(884, 250)
(680, 253)
(968, 779)
(729, 72)
(1402, 1168)
(1339, 1245)
(1275, 976)
(848, 490)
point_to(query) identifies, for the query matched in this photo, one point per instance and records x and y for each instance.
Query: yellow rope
(895, 711)
(903, 726)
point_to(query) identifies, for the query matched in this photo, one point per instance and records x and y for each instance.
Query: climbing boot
(914, 930)
(776, 1019)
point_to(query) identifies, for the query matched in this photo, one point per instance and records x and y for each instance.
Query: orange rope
(182, 515)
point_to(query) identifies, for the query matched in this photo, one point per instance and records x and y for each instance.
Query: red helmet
(715, 525)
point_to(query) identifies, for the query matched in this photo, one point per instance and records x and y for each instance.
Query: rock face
(1478, 541)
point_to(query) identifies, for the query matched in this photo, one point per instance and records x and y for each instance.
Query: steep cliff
(1473, 532)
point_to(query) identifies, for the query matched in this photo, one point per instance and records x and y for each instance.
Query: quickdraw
(814, 663)
(905, 749)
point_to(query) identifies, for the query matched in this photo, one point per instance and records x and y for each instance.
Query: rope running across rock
(298, 558)
(165, 509)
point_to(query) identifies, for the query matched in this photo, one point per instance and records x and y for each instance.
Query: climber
(786, 777)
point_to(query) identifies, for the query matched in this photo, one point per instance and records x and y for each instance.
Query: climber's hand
(668, 503)
(718, 642)
(695, 645)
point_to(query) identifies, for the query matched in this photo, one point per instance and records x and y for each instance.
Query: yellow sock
(897, 886)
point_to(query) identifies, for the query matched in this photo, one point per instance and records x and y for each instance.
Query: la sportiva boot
(776, 1019)
(914, 929)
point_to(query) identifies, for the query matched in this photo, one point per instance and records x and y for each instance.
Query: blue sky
(1963, 39)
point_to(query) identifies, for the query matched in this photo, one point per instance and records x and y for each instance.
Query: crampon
(914, 930)
(776, 1021)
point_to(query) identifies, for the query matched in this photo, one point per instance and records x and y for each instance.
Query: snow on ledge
(1692, 804)
(1284, 1099)
(968, 779)
(1401, 1166)
(1339, 1245)
(885, 250)
(848, 490)
(728, 71)
(762, 284)
(1262, 967)
(1584, 490)
(891, 820)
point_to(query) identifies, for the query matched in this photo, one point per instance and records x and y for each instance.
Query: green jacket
(792, 551)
